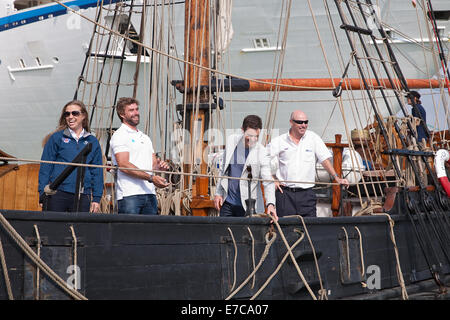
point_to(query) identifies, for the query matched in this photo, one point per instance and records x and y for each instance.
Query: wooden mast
(196, 88)
(197, 50)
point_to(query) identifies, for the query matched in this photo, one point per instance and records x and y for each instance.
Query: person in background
(293, 156)
(419, 112)
(243, 150)
(133, 149)
(63, 145)
(361, 139)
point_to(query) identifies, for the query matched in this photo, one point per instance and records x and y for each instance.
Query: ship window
(38, 61)
(442, 14)
(24, 4)
(22, 63)
(441, 31)
(261, 43)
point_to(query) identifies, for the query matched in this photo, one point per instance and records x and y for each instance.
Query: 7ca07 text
(243, 309)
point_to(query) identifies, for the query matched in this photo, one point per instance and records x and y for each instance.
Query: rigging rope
(181, 173)
(38, 261)
(269, 242)
(38, 252)
(5, 272)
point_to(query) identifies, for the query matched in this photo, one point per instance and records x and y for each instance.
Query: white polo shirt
(140, 147)
(297, 162)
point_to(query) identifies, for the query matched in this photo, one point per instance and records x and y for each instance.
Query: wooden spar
(197, 49)
(330, 84)
(306, 84)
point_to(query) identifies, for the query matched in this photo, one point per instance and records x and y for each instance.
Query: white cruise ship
(44, 48)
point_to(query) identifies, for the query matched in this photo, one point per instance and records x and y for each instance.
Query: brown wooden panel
(32, 188)
(18, 188)
(1, 192)
(20, 199)
(9, 190)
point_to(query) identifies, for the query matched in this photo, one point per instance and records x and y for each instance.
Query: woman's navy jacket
(62, 147)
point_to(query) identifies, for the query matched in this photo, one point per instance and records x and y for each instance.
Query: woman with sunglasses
(63, 145)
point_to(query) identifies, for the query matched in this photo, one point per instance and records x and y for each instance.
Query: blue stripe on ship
(41, 13)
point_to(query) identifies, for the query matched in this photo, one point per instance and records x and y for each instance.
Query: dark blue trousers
(229, 210)
(63, 201)
(296, 201)
(139, 204)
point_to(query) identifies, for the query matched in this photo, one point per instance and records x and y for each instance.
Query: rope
(269, 243)
(75, 256)
(235, 258)
(253, 255)
(38, 252)
(363, 268)
(361, 253)
(347, 250)
(183, 173)
(295, 261)
(215, 71)
(5, 272)
(323, 292)
(368, 208)
(277, 268)
(397, 257)
(38, 261)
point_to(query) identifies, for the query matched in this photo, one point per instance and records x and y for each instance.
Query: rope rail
(184, 173)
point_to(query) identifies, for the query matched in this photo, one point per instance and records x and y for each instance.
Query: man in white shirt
(131, 148)
(241, 152)
(293, 157)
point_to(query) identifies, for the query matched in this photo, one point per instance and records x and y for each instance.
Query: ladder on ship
(426, 212)
(115, 49)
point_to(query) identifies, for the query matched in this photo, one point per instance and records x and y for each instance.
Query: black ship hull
(186, 257)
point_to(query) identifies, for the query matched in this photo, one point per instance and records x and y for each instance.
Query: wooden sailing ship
(388, 244)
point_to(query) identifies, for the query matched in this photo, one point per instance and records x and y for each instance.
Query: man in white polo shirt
(293, 156)
(131, 148)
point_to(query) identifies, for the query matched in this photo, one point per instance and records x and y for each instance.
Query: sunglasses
(300, 121)
(74, 113)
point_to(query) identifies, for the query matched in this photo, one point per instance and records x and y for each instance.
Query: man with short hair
(414, 99)
(131, 148)
(242, 151)
(294, 155)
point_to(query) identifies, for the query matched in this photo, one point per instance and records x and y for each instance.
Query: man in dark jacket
(418, 111)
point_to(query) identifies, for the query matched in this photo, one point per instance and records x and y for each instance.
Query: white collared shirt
(74, 135)
(297, 162)
(140, 148)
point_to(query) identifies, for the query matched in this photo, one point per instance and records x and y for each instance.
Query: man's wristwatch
(335, 176)
(150, 179)
(270, 204)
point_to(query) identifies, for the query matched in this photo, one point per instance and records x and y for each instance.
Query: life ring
(440, 158)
